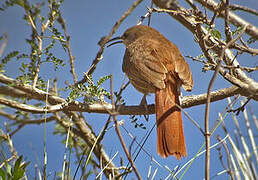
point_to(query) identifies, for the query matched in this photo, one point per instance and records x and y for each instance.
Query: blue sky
(87, 22)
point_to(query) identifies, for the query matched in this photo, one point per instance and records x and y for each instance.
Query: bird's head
(132, 34)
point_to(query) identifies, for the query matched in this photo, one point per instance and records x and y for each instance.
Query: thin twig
(9, 141)
(45, 137)
(239, 133)
(65, 153)
(229, 168)
(190, 118)
(207, 108)
(34, 30)
(250, 134)
(123, 87)
(16, 130)
(227, 30)
(3, 45)
(235, 7)
(241, 108)
(191, 3)
(129, 157)
(149, 19)
(8, 160)
(68, 47)
(199, 154)
(211, 66)
(206, 124)
(34, 121)
(224, 113)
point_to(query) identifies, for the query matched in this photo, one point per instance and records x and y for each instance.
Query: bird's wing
(152, 60)
(183, 70)
(142, 65)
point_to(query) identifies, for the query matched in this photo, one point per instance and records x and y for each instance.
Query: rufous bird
(153, 64)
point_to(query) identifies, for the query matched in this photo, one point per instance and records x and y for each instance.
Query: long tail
(170, 135)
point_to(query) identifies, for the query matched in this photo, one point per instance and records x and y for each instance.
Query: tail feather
(170, 135)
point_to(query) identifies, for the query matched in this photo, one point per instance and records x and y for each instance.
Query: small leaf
(18, 174)
(8, 169)
(17, 164)
(2, 174)
(9, 56)
(216, 33)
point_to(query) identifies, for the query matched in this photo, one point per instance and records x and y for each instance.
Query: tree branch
(233, 18)
(187, 101)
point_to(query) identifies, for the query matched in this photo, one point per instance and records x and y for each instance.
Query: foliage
(16, 172)
(91, 93)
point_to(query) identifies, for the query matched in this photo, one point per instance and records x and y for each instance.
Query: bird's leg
(145, 105)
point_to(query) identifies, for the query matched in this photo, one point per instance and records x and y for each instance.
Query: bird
(153, 64)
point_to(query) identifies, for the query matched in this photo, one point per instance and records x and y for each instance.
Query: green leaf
(17, 164)
(9, 56)
(216, 33)
(18, 174)
(2, 174)
(239, 28)
(103, 79)
(23, 56)
(19, 168)
(8, 169)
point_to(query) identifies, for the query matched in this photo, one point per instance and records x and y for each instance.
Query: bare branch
(233, 18)
(235, 7)
(187, 101)
(68, 47)
(27, 108)
(207, 43)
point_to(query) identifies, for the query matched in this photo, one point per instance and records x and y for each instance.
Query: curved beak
(113, 39)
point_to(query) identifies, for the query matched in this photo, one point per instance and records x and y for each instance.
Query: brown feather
(170, 136)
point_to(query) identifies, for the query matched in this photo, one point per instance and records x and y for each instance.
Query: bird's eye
(125, 35)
